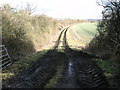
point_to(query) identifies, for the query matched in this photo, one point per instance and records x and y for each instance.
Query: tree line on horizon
(23, 33)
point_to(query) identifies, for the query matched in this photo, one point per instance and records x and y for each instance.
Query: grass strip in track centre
(22, 64)
(53, 82)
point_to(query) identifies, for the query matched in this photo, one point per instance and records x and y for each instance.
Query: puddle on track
(71, 72)
(71, 82)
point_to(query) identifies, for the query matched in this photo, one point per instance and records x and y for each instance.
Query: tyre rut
(80, 71)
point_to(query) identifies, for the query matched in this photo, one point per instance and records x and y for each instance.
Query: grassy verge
(22, 64)
(109, 67)
(73, 39)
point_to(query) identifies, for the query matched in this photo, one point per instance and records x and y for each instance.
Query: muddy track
(79, 72)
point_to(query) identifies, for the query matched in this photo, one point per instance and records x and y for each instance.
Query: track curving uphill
(79, 72)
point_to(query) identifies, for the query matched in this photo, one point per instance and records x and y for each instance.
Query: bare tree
(109, 27)
(30, 8)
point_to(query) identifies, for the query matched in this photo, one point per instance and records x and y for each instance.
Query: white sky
(76, 9)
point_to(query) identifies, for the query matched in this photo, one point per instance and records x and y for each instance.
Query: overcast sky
(76, 9)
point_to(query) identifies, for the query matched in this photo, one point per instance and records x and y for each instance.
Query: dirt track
(79, 72)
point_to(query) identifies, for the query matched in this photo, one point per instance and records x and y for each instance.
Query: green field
(86, 31)
(81, 34)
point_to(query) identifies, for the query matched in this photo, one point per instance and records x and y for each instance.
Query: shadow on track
(79, 72)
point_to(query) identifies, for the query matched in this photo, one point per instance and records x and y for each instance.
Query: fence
(4, 57)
